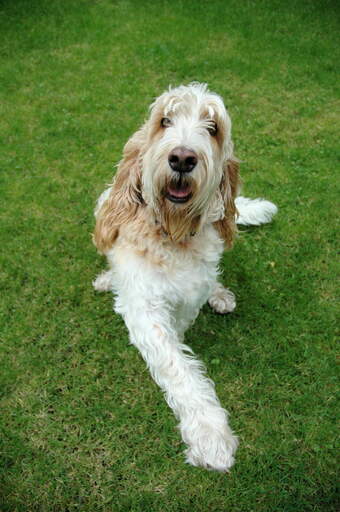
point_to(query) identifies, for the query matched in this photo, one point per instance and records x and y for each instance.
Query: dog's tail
(253, 212)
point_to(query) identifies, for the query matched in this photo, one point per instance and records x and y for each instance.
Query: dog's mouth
(179, 192)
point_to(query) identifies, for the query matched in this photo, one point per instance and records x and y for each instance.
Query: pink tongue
(179, 192)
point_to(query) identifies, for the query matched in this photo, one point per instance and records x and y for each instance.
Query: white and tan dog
(163, 225)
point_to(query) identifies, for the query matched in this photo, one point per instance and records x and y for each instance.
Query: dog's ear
(125, 197)
(229, 188)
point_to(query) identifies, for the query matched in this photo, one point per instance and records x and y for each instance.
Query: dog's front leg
(191, 395)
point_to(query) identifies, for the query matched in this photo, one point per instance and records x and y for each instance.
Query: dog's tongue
(179, 191)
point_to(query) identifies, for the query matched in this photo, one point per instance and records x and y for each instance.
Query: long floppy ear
(229, 188)
(125, 197)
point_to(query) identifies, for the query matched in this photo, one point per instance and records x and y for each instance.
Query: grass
(83, 426)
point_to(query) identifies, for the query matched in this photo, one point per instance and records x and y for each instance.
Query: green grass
(83, 426)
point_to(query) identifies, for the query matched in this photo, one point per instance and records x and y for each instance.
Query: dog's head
(179, 165)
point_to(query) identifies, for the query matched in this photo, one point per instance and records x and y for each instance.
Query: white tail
(253, 212)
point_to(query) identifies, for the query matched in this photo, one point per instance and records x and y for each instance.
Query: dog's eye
(166, 122)
(212, 128)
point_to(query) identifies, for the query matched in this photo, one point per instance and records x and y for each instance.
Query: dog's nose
(182, 159)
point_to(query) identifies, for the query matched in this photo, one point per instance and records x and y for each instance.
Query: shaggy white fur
(163, 225)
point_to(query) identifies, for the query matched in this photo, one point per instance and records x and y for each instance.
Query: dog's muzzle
(181, 160)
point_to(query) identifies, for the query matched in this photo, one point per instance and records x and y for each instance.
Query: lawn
(83, 426)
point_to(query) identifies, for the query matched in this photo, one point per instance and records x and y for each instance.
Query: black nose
(182, 159)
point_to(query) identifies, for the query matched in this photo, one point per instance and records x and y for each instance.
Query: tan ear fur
(125, 197)
(229, 188)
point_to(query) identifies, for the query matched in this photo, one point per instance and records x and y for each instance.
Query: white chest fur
(166, 272)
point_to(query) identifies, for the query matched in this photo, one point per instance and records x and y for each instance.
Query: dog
(163, 225)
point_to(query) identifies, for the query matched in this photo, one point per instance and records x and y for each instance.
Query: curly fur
(163, 256)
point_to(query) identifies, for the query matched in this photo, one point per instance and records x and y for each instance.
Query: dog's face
(179, 166)
(188, 143)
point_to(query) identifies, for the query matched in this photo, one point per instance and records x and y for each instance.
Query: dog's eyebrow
(208, 112)
(172, 105)
(211, 111)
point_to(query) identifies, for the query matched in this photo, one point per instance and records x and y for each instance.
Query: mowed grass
(83, 426)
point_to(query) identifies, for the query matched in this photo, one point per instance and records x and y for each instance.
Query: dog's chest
(173, 274)
(192, 269)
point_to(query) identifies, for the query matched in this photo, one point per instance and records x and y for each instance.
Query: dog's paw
(213, 450)
(222, 300)
(103, 282)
